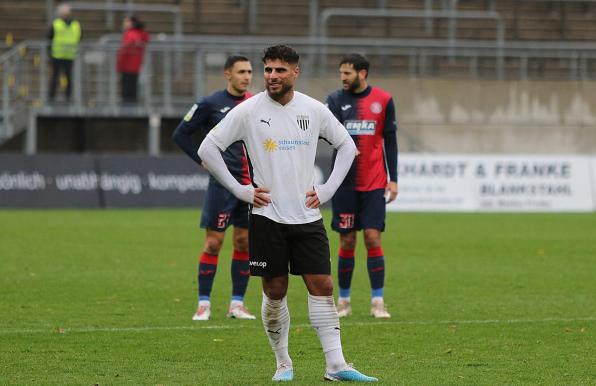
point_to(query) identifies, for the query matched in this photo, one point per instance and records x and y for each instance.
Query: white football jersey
(281, 142)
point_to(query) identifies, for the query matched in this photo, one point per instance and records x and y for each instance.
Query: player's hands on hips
(391, 191)
(261, 197)
(312, 200)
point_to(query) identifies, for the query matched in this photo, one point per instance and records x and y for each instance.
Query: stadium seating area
(524, 20)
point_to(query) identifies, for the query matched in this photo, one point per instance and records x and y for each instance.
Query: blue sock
(207, 269)
(345, 269)
(240, 274)
(376, 271)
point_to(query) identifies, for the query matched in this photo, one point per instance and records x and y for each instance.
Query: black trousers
(60, 66)
(128, 84)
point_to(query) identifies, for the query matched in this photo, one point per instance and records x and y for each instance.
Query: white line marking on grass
(66, 330)
(487, 321)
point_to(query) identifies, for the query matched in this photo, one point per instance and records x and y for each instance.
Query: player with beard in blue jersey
(368, 114)
(221, 208)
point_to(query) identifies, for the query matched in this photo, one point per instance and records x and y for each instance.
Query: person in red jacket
(130, 57)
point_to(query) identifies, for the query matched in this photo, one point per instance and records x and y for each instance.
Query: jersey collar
(362, 94)
(290, 102)
(237, 98)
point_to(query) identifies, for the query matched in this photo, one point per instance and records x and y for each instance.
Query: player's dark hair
(282, 52)
(358, 61)
(231, 60)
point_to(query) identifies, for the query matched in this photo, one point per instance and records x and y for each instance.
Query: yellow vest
(66, 39)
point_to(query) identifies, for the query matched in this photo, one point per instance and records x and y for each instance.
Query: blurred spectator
(64, 36)
(130, 57)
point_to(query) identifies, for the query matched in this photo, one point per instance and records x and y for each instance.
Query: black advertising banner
(48, 181)
(121, 181)
(142, 181)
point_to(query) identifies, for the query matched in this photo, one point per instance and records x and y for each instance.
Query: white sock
(340, 299)
(204, 303)
(236, 303)
(276, 320)
(323, 317)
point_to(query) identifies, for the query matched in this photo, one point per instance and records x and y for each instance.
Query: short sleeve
(230, 129)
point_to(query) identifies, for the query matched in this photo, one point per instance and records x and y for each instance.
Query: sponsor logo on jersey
(271, 145)
(190, 113)
(225, 109)
(376, 107)
(303, 121)
(357, 127)
(345, 107)
(267, 122)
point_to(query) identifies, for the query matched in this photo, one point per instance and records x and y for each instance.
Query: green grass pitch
(106, 297)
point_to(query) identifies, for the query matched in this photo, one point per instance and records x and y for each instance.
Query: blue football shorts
(222, 209)
(354, 210)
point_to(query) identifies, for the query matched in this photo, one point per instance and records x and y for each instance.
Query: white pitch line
(196, 326)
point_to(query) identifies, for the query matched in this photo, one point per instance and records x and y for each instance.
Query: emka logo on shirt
(358, 127)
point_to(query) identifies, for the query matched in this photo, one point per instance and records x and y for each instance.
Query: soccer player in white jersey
(280, 128)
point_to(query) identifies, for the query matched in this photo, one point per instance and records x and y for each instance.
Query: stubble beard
(354, 85)
(285, 89)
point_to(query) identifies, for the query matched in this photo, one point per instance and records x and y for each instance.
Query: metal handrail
(328, 13)
(259, 41)
(23, 69)
(451, 14)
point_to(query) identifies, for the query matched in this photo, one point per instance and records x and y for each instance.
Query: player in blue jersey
(221, 208)
(368, 113)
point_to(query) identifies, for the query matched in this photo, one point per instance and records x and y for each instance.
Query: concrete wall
(434, 115)
(468, 116)
(477, 116)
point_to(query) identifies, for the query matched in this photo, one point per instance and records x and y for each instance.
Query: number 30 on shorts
(346, 220)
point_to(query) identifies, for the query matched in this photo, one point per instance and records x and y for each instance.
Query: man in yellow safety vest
(64, 36)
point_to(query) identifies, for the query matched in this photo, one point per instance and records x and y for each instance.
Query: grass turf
(105, 297)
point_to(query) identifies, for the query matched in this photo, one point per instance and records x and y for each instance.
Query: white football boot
(239, 311)
(203, 313)
(378, 309)
(343, 308)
